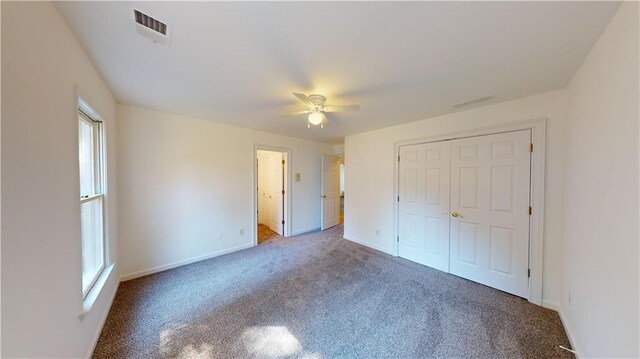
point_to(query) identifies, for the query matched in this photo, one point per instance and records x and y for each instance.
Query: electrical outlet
(220, 235)
(241, 232)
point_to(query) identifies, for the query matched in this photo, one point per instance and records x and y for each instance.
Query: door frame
(287, 185)
(536, 219)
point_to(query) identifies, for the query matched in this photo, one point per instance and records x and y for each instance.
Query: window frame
(99, 164)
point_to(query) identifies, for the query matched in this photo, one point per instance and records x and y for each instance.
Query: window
(92, 184)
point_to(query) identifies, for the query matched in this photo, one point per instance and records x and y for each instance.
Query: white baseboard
(551, 305)
(165, 267)
(567, 329)
(367, 245)
(303, 231)
(103, 320)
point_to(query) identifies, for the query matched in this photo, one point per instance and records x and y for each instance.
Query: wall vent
(472, 102)
(150, 27)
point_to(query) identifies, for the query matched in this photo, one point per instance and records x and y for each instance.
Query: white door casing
(258, 152)
(330, 191)
(490, 189)
(424, 204)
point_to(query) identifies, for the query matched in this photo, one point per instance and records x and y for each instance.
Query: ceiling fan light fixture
(316, 118)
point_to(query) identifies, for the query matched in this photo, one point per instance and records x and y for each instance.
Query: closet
(464, 207)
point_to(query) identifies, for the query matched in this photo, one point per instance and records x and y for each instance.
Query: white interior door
(330, 191)
(424, 204)
(260, 189)
(263, 196)
(490, 210)
(275, 192)
(271, 184)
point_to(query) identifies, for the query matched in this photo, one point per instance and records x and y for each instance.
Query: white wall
(41, 250)
(601, 195)
(369, 181)
(183, 180)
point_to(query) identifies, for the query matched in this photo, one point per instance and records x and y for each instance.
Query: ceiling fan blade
(342, 108)
(304, 98)
(297, 113)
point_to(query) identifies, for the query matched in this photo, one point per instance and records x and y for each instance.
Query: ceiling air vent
(472, 102)
(150, 27)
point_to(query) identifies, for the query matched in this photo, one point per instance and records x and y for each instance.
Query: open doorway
(271, 195)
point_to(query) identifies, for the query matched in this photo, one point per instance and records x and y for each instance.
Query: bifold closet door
(490, 184)
(424, 204)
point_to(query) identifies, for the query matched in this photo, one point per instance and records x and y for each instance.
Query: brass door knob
(455, 214)
(323, 196)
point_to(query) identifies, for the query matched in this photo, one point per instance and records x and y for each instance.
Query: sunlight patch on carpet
(273, 342)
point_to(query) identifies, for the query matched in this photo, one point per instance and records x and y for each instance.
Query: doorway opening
(271, 196)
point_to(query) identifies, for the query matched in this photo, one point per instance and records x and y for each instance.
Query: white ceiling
(239, 62)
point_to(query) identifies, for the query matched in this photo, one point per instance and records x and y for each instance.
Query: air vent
(472, 102)
(150, 27)
(153, 24)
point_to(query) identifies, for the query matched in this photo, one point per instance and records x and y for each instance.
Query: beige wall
(601, 195)
(41, 252)
(185, 180)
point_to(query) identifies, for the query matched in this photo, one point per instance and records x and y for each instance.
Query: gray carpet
(319, 296)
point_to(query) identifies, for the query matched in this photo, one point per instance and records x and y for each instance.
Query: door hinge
(530, 210)
(282, 161)
(398, 198)
(283, 192)
(529, 273)
(398, 158)
(531, 147)
(282, 222)
(398, 239)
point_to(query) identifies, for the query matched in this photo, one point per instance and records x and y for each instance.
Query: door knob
(455, 214)
(323, 196)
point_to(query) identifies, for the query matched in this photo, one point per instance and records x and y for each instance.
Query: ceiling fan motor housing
(317, 100)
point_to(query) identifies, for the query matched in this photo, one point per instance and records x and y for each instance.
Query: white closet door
(424, 204)
(490, 210)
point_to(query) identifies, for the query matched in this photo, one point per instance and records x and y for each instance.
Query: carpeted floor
(265, 233)
(319, 296)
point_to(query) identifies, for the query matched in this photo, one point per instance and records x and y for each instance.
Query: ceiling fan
(317, 109)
